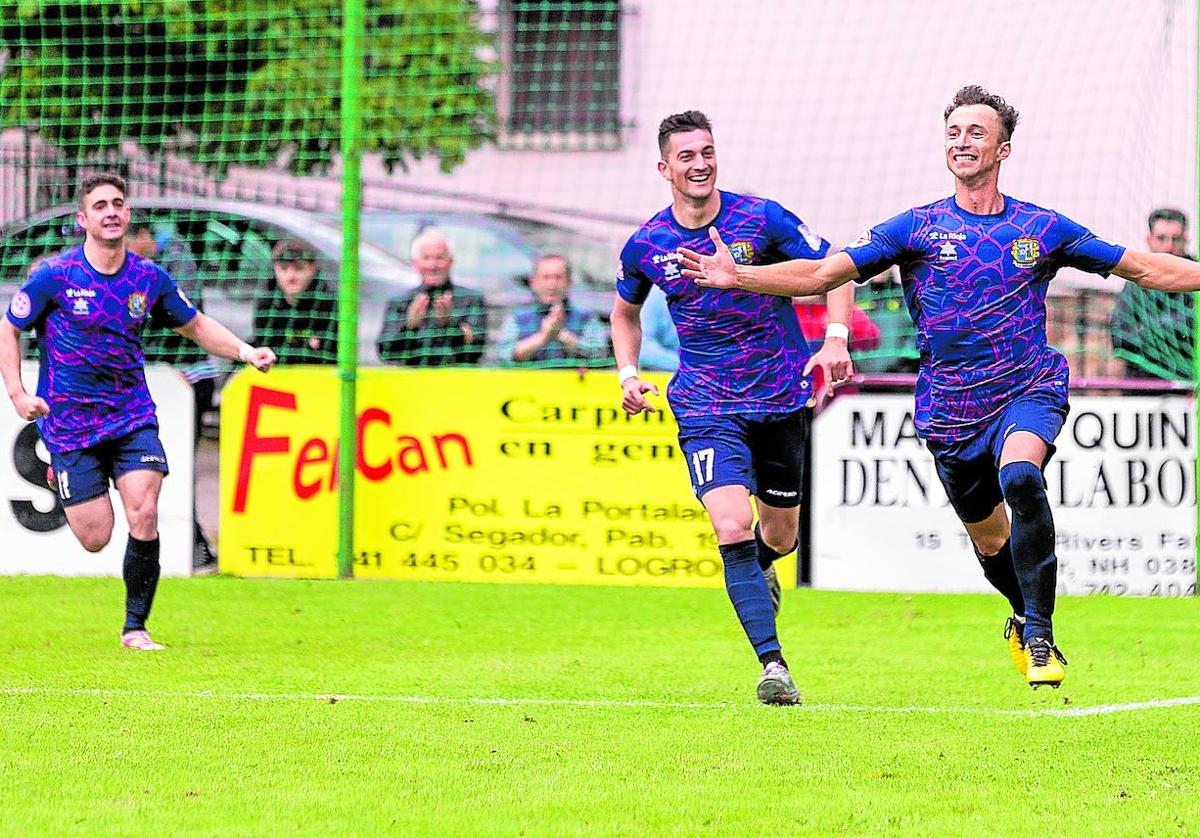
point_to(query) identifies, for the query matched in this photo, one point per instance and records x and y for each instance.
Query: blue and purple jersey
(975, 286)
(90, 325)
(739, 352)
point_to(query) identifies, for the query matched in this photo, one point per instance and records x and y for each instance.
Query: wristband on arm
(837, 330)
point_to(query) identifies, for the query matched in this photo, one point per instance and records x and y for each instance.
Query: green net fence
(520, 128)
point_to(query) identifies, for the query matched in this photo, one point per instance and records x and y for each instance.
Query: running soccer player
(742, 388)
(991, 395)
(92, 406)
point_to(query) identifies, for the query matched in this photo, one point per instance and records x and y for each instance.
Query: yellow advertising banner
(473, 475)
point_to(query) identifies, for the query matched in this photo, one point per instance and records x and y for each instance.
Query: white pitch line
(205, 695)
(1104, 709)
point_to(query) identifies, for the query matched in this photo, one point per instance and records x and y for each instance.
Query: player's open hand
(261, 358)
(633, 399)
(836, 368)
(30, 407)
(715, 271)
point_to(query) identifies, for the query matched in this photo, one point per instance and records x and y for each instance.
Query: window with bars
(563, 69)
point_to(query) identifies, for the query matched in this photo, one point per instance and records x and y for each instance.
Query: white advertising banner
(1122, 487)
(33, 528)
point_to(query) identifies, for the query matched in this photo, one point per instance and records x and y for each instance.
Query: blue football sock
(141, 580)
(766, 553)
(747, 589)
(999, 571)
(1032, 541)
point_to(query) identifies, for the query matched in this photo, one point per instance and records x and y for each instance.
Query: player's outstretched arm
(796, 278)
(28, 407)
(215, 339)
(1159, 271)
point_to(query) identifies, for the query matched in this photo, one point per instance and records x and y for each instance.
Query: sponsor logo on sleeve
(810, 238)
(20, 305)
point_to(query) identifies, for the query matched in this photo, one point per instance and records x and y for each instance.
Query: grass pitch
(506, 710)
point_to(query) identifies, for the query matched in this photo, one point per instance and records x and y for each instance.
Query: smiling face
(432, 258)
(689, 164)
(975, 144)
(103, 214)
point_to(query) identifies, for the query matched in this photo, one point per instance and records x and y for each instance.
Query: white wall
(835, 108)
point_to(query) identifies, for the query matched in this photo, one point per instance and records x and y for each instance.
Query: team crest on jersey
(137, 305)
(743, 252)
(1025, 252)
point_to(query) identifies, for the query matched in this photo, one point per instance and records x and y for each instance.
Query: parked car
(496, 253)
(231, 244)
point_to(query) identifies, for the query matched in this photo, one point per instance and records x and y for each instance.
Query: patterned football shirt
(975, 286)
(739, 352)
(90, 326)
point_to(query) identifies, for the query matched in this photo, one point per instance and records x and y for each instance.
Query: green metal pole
(1196, 304)
(353, 27)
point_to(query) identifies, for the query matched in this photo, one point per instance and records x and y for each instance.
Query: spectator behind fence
(814, 318)
(1153, 329)
(882, 300)
(297, 318)
(162, 243)
(439, 323)
(660, 341)
(550, 332)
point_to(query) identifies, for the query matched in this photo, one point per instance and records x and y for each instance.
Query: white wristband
(244, 352)
(837, 330)
(627, 372)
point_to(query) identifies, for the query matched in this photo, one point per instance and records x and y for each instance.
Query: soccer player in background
(742, 386)
(991, 395)
(89, 305)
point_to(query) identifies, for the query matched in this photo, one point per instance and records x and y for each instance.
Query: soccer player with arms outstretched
(742, 388)
(92, 406)
(991, 395)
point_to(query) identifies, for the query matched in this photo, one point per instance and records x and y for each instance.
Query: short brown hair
(973, 94)
(100, 179)
(292, 250)
(677, 123)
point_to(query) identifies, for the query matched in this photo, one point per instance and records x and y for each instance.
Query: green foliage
(246, 81)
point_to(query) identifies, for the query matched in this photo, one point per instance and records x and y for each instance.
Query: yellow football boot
(1043, 663)
(1016, 649)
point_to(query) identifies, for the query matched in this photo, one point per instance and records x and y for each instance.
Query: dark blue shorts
(970, 468)
(763, 452)
(85, 474)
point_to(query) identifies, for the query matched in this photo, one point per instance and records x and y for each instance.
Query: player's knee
(94, 541)
(1023, 487)
(780, 537)
(988, 545)
(143, 520)
(731, 529)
